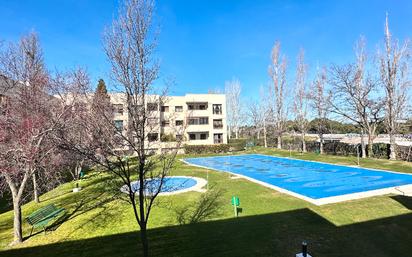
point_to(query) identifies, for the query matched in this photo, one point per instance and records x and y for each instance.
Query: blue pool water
(170, 184)
(311, 179)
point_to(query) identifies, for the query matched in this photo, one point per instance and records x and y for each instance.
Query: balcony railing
(217, 125)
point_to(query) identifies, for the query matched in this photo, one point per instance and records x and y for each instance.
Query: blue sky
(204, 43)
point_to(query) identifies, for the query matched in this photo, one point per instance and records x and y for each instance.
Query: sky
(203, 43)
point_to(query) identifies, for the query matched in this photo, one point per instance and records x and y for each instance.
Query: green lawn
(271, 223)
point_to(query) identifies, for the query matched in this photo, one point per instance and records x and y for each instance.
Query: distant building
(196, 119)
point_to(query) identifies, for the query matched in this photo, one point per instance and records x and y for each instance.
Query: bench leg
(44, 229)
(31, 232)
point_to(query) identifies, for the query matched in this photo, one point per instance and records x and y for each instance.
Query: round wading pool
(171, 185)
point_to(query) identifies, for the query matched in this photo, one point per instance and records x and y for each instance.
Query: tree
(393, 63)
(27, 122)
(277, 73)
(256, 117)
(234, 106)
(355, 96)
(300, 103)
(320, 103)
(125, 150)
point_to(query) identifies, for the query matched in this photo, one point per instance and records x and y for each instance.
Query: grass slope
(271, 223)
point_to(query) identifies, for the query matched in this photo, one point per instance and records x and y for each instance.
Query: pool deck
(199, 187)
(398, 190)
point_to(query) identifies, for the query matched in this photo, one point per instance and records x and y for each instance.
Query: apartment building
(197, 119)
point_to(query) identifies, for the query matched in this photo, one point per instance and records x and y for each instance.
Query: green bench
(43, 216)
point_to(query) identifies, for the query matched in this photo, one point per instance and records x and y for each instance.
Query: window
(197, 106)
(118, 109)
(217, 109)
(203, 136)
(151, 107)
(179, 123)
(217, 124)
(152, 121)
(118, 124)
(164, 108)
(152, 137)
(165, 123)
(192, 136)
(199, 121)
(178, 108)
(218, 138)
(193, 121)
(204, 121)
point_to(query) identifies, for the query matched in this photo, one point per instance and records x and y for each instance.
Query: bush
(238, 144)
(167, 138)
(404, 153)
(201, 149)
(380, 150)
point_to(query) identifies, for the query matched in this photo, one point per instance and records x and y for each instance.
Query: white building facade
(196, 119)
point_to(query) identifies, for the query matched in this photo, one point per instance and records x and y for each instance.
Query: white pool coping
(198, 187)
(319, 201)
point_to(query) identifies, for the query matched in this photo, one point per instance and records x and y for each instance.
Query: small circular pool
(171, 185)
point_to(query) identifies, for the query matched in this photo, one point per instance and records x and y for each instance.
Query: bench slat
(42, 216)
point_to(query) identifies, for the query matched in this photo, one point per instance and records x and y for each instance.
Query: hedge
(201, 149)
(238, 144)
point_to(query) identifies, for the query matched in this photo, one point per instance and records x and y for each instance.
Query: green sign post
(235, 203)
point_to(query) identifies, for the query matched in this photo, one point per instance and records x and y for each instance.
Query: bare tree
(259, 114)
(394, 68)
(234, 106)
(277, 73)
(300, 104)
(27, 122)
(355, 96)
(256, 117)
(125, 150)
(320, 103)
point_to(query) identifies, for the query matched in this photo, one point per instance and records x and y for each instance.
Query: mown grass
(271, 223)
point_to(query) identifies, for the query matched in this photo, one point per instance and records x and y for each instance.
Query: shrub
(201, 149)
(380, 150)
(167, 138)
(238, 144)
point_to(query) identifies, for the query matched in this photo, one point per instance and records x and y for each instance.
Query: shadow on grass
(276, 234)
(404, 200)
(76, 204)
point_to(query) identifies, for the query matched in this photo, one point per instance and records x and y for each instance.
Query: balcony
(217, 124)
(218, 141)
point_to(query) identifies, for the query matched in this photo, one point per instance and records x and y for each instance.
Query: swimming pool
(171, 185)
(317, 182)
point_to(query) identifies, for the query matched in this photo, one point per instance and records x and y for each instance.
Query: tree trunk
(16, 196)
(321, 144)
(279, 146)
(363, 146)
(303, 143)
(143, 238)
(236, 133)
(258, 134)
(265, 136)
(392, 154)
(17, 229)
(370, 146)
(229, 132)
(35, 188)
(78, 169)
